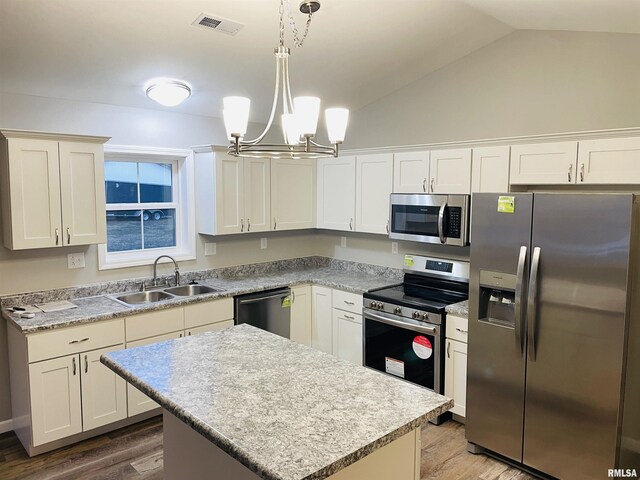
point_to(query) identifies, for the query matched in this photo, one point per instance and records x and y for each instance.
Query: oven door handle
(398, 323)
(443, 207)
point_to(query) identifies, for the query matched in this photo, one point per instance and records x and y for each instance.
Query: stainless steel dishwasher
(269, 310)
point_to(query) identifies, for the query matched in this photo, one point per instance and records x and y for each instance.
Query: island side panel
(187, 454)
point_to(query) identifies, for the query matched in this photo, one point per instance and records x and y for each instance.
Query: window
(150, 206)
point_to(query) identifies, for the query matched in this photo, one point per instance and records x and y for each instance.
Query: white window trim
(185, 218)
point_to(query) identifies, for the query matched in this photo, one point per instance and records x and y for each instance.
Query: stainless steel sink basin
(190, 290)
(140, 298)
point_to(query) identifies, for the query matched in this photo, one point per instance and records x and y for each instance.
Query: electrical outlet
(209, 248)
(75, 260)
(343, 242)
(394, 247)
(263, 243)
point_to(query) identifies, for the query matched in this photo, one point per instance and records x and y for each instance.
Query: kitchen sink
(140, 298)
(189, 290)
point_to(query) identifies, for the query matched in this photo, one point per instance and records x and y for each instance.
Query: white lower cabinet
(347, 339)
(321, 325)
(301, 314)
(455, 375)
(212, 327)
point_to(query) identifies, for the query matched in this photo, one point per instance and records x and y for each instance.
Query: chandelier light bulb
(290, 129)
(236, 116)
(169, 93)
(307, 110)
(337, 119)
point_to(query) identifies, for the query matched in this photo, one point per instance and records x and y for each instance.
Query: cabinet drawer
(457, 328)
(214, 327)
(150, 324)
(351, 302)
(208, 312)
(67, 341)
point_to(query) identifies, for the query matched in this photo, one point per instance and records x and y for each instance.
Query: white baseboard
(6, 426)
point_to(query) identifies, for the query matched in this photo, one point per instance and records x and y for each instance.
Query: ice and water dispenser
(497, 298)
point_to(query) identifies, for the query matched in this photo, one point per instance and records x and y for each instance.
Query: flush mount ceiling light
(299, 115)
(167, 92)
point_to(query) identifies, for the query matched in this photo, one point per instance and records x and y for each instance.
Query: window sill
(137, 259)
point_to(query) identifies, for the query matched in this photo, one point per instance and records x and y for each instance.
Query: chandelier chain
(297, 39)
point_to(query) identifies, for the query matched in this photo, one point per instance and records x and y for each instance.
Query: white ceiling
(357, 51)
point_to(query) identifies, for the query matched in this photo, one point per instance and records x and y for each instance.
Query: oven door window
(401, 352)
(415, 220)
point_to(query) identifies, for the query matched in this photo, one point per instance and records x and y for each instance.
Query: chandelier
(299, 117)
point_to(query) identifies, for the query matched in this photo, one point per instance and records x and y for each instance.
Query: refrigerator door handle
(443, 207)
(519, 313)
(532, 304)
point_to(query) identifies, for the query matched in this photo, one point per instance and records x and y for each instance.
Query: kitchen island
(243, 403)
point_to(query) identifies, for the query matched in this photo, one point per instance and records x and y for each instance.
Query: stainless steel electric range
(404, 325)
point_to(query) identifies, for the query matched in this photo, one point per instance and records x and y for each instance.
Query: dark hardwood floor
(135, 452)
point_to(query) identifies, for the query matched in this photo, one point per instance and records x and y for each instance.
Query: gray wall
(528, 82)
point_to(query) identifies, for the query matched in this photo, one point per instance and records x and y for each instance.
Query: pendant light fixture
(299, 116)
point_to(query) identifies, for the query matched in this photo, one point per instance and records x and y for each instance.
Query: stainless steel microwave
(427, 218)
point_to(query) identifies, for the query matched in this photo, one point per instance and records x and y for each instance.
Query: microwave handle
(443, 207)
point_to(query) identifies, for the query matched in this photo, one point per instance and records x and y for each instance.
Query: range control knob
(397, 310)
(380, 306)
(424, 316)
(372, 304)
(415, 315)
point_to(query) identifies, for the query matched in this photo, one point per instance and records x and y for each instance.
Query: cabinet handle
(274, 223)
(582, 172)
(424, 184)
(570, 172)
(448, 348)
(189, 333)
(432, 182)
(241, 225)
(387, 226)
(181, 335)
(86, 364)
(57, 237)
(73, 362)
(78, 341)
(348, 316)
(293, 296)
(351, 224)
(349, 303)
(68, 236)
(462, 331)
(248, 225)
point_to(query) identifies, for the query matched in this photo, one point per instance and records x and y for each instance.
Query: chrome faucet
(155, 267)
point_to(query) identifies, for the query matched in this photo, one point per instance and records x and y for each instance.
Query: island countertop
(282, 409)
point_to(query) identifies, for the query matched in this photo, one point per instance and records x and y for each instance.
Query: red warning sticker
(422, 347)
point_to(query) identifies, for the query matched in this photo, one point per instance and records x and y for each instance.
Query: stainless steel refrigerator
(554, 332)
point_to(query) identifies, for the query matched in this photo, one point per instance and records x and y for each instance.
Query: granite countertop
(460, 309)
(102, 307)
(282, 409)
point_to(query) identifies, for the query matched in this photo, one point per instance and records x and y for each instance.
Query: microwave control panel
(455, 222)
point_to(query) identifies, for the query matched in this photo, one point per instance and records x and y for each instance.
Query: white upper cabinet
(411, 172)
(450, 171)
(490, 169)
(293, 194)
(609, 161)
(337, 193)
(374, 182)
(52, 190)
(233, 194)
(544, 163)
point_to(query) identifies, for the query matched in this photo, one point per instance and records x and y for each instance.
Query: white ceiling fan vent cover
(218, 24)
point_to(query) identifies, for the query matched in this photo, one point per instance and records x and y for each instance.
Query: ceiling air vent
(219, 24)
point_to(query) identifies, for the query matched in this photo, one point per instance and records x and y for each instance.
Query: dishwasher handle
(260, 299)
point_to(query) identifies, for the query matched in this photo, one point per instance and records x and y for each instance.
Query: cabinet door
(301, 315)
(34, 184)
(337, 193)
(490, 170)
(347, 336)
(450, 171)
(229, 194)
(544, 163)
(56, 410)
(212, 327)
(138, 402)
(83, 193)
(374, 182)
(410, 172)
(609, 161)
(455, 376)
(321, 328)
(205, 313)
(257, 195)
(104, 394)
(293, 194)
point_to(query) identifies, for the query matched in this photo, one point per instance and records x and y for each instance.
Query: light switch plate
(394, 247)
(263, 243)
(209, 248)
(343, 242)
(75, 260)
